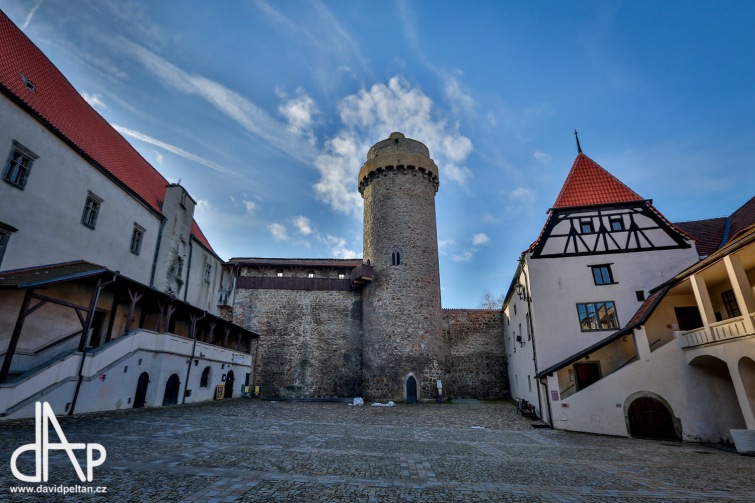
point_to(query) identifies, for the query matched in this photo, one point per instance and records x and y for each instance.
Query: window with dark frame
(91, 210)
(19, 164)
(396, 258)
(204, 381)
(730, 303)
(616, 223)
(594, 316)
(5, 232)
(136, 239)
(207, 272)
(602, 274)
(640, 295)
(586, 226)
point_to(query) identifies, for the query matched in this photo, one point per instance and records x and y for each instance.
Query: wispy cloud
(30, 16)
(300, 111)
(463, 256)
(339, 247)
(367, 117)
(251, 117)
(181, 152)
(94, 100)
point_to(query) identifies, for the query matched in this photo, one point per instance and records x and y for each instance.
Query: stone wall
(310, 344)
(476, 358)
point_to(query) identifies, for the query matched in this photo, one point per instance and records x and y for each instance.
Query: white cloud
(180, 152)
(94, 100)
(302, 223)
(159, 157)
(541, 157)
(250, 207)
(278, 231)
(368, 117)
(479, 239)
(338, 247)
(444, 245)
(300, 112)
(464, 256)
(522, 195)
(203, 206)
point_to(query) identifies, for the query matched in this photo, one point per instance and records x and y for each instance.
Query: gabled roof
(709, 234)
(60, 107)
(588, 184)
(297, 262)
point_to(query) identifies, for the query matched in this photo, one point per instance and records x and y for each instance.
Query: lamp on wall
(521, 291)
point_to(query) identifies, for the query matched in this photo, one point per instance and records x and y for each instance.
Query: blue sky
(265, 110)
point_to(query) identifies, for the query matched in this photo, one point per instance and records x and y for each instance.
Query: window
(602, 275)
(341, 275)
(91, 210)
(207, 272)
(19, 164)
(396, 258)
(616, 223)
(136, 239)
(310, 274)
(597, 316)
(640, 295)
(730, 303)
(5, 232)
(204, 381)
(279, 273)
(586, 226)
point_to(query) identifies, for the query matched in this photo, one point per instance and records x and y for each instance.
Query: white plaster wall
(201, 291)
(693, 396)
(559, 284)
(111, 374)
(47, 213)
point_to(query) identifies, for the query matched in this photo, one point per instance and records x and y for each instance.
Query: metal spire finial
(579, 148)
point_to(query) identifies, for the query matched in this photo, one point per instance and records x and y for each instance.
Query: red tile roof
(589, 184)
(742, 218)
(61, 108)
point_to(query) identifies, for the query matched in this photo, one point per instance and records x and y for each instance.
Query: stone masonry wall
(476, 358)
(310, 344)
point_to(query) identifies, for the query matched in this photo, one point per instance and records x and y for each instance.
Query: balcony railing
(716, 332)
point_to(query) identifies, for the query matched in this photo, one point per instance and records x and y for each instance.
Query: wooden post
(15, 336)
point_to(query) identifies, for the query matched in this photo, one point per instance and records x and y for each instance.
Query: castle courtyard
(252, 450)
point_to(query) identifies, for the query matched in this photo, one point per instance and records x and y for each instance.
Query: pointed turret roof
(589, 184)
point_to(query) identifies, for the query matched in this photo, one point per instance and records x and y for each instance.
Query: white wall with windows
(62, 208)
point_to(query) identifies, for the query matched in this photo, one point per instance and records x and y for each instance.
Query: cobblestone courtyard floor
(250, 450)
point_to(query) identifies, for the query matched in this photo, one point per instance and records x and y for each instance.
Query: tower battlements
(398, 155)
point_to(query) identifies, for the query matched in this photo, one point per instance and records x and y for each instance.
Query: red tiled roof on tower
(588, 184)
(33, 81)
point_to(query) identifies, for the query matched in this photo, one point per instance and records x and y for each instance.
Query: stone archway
(411, 389)
(650, 416)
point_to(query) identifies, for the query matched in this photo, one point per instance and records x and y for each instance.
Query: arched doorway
(229, 385)
(746, 367)
(171, 390)
(411, 390)
(649, 417)
(141, 390)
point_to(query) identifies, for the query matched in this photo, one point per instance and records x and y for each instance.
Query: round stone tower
(403, 340)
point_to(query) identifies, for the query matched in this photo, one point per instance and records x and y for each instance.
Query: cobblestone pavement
(250, 450)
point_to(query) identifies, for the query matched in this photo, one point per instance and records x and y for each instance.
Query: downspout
(157, 251)
(188, 269)
(90, 319)
(193, 352)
